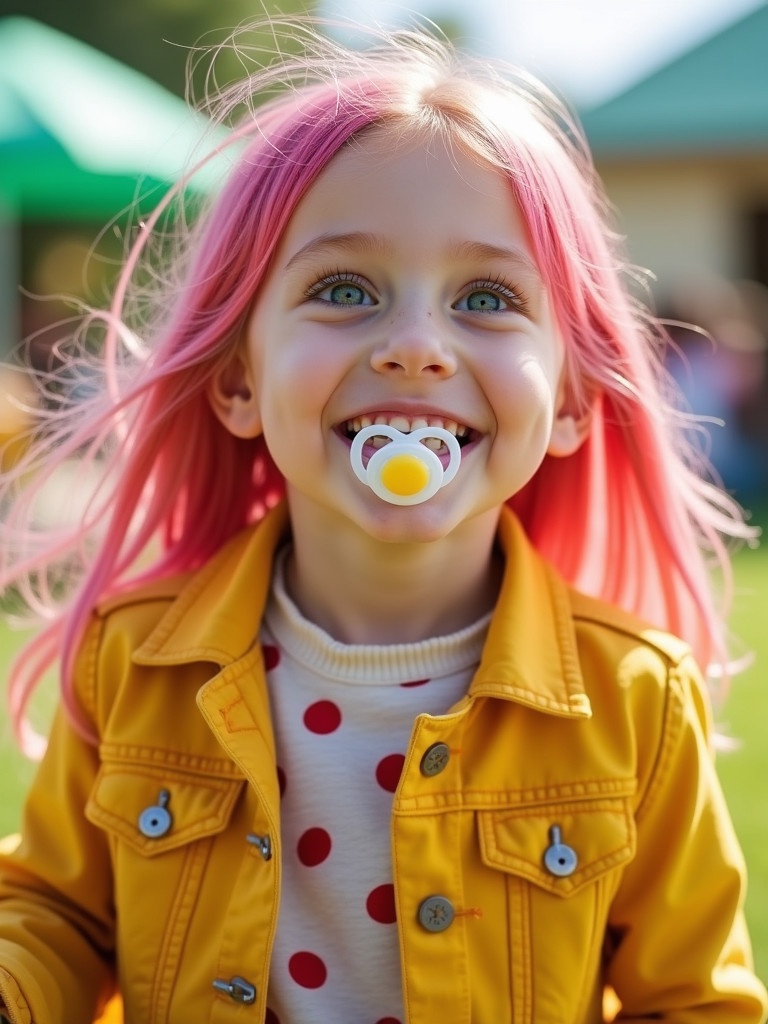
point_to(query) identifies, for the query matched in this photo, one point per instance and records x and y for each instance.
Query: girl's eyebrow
(351, 242)
(485, 252)
(364, 242)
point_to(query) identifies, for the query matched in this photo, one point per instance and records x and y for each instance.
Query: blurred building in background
(684, 157)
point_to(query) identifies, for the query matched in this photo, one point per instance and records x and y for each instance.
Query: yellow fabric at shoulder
(113, 1012)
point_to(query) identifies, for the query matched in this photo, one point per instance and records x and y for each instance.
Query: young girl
(372, 710)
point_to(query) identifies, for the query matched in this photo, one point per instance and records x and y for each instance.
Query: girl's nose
(413, 348)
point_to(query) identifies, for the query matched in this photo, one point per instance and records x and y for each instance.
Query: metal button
(238, 989)
(262, 843)
(156, 821)
(435, 759)
(559, 858)
(436, 914)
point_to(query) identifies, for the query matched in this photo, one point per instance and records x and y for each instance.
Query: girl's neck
(363, 591)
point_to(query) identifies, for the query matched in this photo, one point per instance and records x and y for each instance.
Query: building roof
(714, 98)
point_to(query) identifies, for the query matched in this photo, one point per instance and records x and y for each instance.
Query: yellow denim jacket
(566, 810)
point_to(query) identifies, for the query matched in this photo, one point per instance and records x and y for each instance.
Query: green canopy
(713, 98)
(81, 135)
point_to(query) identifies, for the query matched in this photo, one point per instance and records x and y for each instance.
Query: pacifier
(404, 471)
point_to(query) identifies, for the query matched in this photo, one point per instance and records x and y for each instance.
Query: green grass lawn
(744, 771)
(15, 770)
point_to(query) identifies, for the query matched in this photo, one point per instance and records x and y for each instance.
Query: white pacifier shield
(407, 459)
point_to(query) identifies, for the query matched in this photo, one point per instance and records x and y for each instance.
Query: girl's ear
(233, 398)
(569, 431)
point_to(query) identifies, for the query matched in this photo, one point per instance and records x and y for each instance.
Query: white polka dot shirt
(343, 716)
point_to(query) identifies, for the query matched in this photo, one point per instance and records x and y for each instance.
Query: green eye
(341, 289)
(485, 296)
(485, 302)
(345, 295)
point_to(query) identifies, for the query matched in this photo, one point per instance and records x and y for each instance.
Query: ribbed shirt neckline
(365, 664)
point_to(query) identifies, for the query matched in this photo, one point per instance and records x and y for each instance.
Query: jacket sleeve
(56, 914)
(680, 951)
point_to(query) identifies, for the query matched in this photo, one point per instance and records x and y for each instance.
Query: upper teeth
(406, 424)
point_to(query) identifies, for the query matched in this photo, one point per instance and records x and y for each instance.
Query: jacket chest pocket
(561, 862)
(559, 847)
(161, 823)
(154, 809)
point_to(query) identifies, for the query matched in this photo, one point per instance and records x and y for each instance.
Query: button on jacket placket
(239, 990)
(429, 890)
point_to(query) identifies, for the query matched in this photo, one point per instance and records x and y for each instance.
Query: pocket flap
(600, 833)
(196, 805)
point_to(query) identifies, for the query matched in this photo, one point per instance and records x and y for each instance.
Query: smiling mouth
(406, 424)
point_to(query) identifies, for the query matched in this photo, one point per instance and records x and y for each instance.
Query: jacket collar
(530, 655)
(216, 615)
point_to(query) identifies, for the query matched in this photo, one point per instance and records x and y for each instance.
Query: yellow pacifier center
(405, 475)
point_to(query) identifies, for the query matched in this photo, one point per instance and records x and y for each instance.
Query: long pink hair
(632, 517)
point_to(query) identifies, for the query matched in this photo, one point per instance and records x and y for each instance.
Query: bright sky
(588, 49)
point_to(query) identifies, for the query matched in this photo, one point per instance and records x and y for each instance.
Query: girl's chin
(352, 508)
(405, 524)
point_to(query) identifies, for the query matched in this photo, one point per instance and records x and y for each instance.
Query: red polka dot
(416, 682)
(388, 771)
(307, 970)
(381, 904)
(313, 847)
(271, 656)
(322, 717)
(272, 1018)
(281, 780)
(388, 1020)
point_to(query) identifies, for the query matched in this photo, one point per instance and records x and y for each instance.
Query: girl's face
(404, 288)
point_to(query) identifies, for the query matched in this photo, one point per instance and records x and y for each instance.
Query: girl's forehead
(387, 142)
(418, 192)
(384, 157)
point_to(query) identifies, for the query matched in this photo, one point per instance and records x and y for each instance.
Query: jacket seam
(642, 634)
(670, 732)
(177, 927)
(511, 801)
(86, 674)
(109, 606)
(153, 758)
